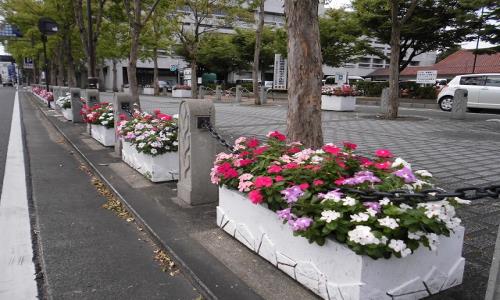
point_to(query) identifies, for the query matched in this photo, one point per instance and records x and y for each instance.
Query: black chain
(216, 135)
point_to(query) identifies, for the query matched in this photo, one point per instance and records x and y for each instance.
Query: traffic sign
(173, 68)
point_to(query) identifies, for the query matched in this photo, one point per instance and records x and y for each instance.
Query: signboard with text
(428, 76)
(280, 72)
(28, 63)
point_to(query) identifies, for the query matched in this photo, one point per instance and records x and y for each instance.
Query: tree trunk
(132, 66)
(60, 65)
(102, 80)
(194, 79)
(155, 72)
(70, 64)
(392, 108)
(115, 79)
(256, 54)
(304, 73)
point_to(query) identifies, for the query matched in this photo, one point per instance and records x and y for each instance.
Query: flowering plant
(48, 96)
(344, 90)
(64, 102)
(151, 134)
(99, 114)
(313, 191)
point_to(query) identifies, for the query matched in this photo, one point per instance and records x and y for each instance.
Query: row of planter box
(175, 93)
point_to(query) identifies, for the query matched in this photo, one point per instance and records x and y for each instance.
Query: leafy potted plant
(64, 103)
(303, 211)
(338, 98)
(150, 144)
(181, 91)
(101, 120)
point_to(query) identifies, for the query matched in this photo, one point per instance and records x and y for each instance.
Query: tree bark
(304, 73)
(392, 108)
(156, 85)
(70, 64)
(256, 54)
(115, 79)
(102, 80)
(60, 64)
(194, 78)
(132, 66)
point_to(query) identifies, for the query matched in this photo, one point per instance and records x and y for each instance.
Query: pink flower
(383, 153)
(243, 162)
(252, 143)
(291, 166)
(293, 150)
(304, 186)
(156, 111)
(317, 182)
(383, 165)
(277, 135)
(331, 149)
(274, 169)
(279, 178)
(350, 146)
(122, 117)
(339, 181)
(260, 150)
(263, 181)
(256, 196)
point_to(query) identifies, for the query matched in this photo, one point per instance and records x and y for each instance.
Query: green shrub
(425, 92)
(371, 89)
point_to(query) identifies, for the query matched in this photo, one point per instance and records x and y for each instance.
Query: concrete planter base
(333, 271)
(164, 167)
(148, 91)
(181, 94)
(338, 103)
(67, 113)
(105, 136)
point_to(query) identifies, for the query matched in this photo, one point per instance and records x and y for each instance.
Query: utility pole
(477, 42)
(46, 26)
(92, 79)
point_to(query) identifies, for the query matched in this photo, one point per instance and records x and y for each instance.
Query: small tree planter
(181, 93)
(148, 91)
(67, 113)
(102, 134)
(159, 168)
(333, 271)
(338, 103)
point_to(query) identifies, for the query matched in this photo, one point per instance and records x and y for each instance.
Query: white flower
(329, 215)
(433, 240)
(361, 217)
(362, 235)
(320, 151)
(176, 116)
(316, 159)
(175, 143)
(141, 145)
(397, 245)
(399, 161)
(404, 207)
(415, 235)
(405, 252)
(348, 201)
(461, 201)
(385, 201)
(388, 222)
(154, 151)
(104, 122)
(423, 173)
(240, 140)
(371, 212)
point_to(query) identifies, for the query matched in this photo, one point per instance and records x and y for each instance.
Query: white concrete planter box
(333, 271)
(67, 113)
(163, 167)
(338, 103)
(148, 91)
(105, 136)
(52, 105)
(181, 93)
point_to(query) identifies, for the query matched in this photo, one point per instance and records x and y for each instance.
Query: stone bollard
(384, 100)
(91, 98)
(493, 290)
(122, 104)
(76, 105)
(201, 92)
(218, 93)
(237, 98)
(197, 149)
(459, 106)
(263, 95)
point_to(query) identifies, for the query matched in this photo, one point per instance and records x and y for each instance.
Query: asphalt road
(6, 105)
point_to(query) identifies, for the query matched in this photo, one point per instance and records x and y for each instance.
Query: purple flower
(301, 223)
(361, 177)
(406, 174)
(373, 205)
(292, 194)
(285, 214)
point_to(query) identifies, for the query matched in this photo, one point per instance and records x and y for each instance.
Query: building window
(414, 63)
(364, 65)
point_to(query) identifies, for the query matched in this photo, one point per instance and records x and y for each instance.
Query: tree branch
(410, 11)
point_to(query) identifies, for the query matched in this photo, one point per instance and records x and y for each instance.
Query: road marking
(493, 120)
(17, 270)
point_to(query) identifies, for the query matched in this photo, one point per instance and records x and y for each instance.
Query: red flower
(340, 181)
(304, 186)
(256, 196)
(231, 173)
(244, 162)
(350, 146)
(122, 117)
(291, 166)
(252, 143)
(274, 169)
(340, 163)
(293, 150)
(279, 178)
(383, 165)
(277, 135)
(317, 182)
(164, 117)
(259, 150)
(244, 153)
(331, 149)
(156, 111)
(263, 181)
(383, 153)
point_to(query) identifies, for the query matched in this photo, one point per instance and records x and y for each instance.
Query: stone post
(493, 290)
(263, 95)
(122, 103)
(197, 149)
(218, 93)
(201, 92)
(238, 94)
(459, 106)
(91, 98)
(76, 105)
(384, 100)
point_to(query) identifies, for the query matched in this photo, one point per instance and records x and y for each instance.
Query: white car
(483, 91)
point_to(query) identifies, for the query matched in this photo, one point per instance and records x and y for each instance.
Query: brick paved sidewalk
(457, 153)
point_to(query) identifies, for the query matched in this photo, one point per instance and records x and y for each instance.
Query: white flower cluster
(106, 118)
(330, 215)
(64, 101)
(400, 247)
(443, 211)
(363, 235)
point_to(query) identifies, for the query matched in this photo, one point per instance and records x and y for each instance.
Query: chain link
(402, 196)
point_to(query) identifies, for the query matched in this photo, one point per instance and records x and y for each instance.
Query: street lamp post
(47, 26)
(92, 78)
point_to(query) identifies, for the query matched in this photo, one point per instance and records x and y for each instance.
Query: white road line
(17, 270)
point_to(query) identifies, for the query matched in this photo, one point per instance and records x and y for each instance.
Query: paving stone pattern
(458, 153)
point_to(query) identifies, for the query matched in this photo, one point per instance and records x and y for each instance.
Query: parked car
(483, 91)
(166, 85)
